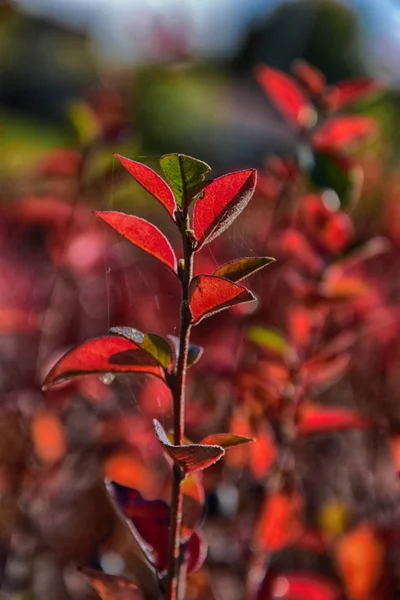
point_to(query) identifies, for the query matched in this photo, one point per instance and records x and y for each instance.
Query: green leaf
(236, 270)
(155, 345)
(268, 338)
(185, 175)
(195, 352)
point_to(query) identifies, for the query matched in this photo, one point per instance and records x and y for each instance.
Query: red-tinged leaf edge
(226, 440)
(151, 182)
(108, 354)
(240, 268)
(286, 95)
(221, 202)
(143, 234)
(203, 296)
(190, 457)
(331, 419)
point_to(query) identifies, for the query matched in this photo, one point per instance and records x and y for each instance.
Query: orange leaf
(48, 437)
(360, 556)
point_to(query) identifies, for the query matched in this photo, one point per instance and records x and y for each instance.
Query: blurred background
(184, 69)
(83, 79)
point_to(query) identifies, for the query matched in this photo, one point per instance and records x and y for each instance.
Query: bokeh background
(83, 79)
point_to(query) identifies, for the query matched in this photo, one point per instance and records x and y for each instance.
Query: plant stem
(174, 558)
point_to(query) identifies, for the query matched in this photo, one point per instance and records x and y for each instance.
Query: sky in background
(122, 29)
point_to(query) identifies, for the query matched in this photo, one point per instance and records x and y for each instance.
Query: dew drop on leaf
(107, 378)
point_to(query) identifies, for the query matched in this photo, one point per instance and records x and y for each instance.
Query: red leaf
(284, 92)
(151, 518)
(337, 133)
(223, 200)
(151, 182)
(209, 294)
(262, 454)
(196, 551)
(316, 419)
(303, 586)
(279, 522)
(112, 587)
(347, 92)
(142, 234)
(311, 78)
(240, 268)
(108, 354)
(48, 437)
(191, 457)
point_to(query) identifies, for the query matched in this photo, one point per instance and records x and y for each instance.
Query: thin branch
(178, 391)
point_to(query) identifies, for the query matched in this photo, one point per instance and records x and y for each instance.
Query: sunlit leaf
(279, 522)
(314, 420)
(127, 468)
(151, 182)
(240, 268)
(337, 134)
(226, 440)
(360, 557)
(347, 92)
(209, 294)
(302, 586)
(142, 234)
(108, 354)
(190, 457)
(184, 174)
(268, 338)
(222, 201)
(155, 345)
(85, 122)
(285, 93)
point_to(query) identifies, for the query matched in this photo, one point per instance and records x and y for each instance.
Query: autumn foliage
(148, 451)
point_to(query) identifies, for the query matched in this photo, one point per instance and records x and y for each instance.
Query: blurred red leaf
(191, 457)
(151, 182)
(222, 201)
(48, 437)
(17, 320)
(310, 77)
(112, 587)
(360, 557)
(210, 294)
(226, 440)
(338, 133)
(302, 586)
(142, 234)
(263, 453)
(352, 90)
(279, 522)
(108, 354)
(196, 551)
(60, 162)
(318, 419)
(127, 468)
(321, 373)
(240, 268)
(284, 92)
